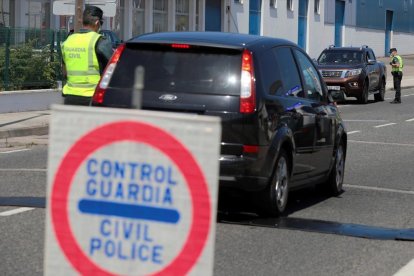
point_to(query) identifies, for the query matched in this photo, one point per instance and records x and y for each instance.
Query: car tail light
(100, 90)
(250, 149)
(248, 85)
(180, 46)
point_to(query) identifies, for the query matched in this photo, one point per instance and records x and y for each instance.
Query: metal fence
(30, 58)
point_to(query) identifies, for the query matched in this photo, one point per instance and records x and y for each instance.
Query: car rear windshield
(187, 69)
(341, 57)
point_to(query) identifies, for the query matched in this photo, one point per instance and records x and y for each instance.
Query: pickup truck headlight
(354, 72)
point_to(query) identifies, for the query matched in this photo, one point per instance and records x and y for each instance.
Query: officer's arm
(104, 51)
(395, 62)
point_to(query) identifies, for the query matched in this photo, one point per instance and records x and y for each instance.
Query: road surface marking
(410, 120)
(381, 143)
(13, 151)
(23, 170)
(405, 192)
(355, 131)
(406, 270)
(384, 125)
(15, 211)
(365, 120)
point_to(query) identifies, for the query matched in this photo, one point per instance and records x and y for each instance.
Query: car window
(292, 86)
(312, 83)
(270, 73)
(371, 55)
(195, 70)
(340, 57)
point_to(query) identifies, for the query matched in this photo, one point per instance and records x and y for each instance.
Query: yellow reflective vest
(81, 63)
(400, 61)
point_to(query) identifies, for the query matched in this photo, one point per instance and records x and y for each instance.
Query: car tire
(363, 99)
(273, 200)
(336, 177)
(380, 96)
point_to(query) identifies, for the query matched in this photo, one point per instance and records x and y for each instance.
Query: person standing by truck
(397, 74)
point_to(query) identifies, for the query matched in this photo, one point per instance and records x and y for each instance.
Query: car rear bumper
(236, 172)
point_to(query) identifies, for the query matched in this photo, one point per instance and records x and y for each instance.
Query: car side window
(371, 55)
(292, 86)
(312, 83)
(270, 73)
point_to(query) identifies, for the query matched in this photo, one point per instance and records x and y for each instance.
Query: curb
(27, 131)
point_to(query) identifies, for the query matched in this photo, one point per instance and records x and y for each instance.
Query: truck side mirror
(371, 61)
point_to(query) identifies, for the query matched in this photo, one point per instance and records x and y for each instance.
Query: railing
(30, 58)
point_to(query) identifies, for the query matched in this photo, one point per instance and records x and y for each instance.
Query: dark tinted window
(194, 70)
(311, 81)
(341, 57)
(270, 72)
(371, 54)
(288, 72)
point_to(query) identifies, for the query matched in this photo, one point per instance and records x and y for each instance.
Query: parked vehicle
(353, 72)
(113, 38)
(280, 128)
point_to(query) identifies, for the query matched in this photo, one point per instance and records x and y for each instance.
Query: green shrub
(30, 68)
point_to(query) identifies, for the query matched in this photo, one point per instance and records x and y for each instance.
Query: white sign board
(131, 192)
(67, 7)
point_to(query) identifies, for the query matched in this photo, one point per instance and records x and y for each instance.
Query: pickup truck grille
(331, 74)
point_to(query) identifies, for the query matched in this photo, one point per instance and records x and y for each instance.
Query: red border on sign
(139, 132)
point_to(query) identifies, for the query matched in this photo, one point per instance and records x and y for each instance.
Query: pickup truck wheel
(363, 99)
(379, 97)
(273, 200)
(336, 177)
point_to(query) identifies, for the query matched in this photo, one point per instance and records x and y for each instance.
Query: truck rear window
(204, 70)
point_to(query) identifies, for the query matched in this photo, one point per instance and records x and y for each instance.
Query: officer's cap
(393, 49)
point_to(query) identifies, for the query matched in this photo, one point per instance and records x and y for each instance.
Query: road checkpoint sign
(131, 192)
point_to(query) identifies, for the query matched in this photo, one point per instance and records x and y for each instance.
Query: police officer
(85, 55)
(397, 74)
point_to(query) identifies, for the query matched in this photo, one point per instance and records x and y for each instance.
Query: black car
(280, 128)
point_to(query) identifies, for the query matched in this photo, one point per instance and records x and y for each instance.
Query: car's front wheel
(379, 97)
(363, 98)
(273, 199)
(336, 177)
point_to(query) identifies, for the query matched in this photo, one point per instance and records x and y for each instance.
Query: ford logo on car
(168, 97)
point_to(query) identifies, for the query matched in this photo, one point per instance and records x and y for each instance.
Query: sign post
(131, 192)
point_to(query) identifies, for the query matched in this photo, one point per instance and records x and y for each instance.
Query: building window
(317, 7)
(406, 5)
(289, 5)
(182, 9)
(118, 25)
(160, 14)
(138, 17)
(238, 2)
(273, 4)
(380, 3)
(197, 16)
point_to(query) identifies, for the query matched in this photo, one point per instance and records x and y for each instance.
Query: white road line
(381, 143)
(379, 189)
(22, 170)
(365, 120)
(410, 120)
(407, 270)
(384, 125)
(13, 151)
(355, 131)
(15, 211)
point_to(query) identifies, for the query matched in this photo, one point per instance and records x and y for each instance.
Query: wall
(320, 34)
(280, 22)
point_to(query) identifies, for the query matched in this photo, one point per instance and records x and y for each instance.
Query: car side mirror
(372, 61)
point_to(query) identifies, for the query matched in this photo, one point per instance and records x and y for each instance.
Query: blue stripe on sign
(105, 208)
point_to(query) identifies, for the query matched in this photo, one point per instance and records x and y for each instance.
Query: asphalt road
(378, 194)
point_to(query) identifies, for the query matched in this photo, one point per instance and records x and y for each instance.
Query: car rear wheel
(274, 198)
(336, 177)
(379, 97)
(363, 99)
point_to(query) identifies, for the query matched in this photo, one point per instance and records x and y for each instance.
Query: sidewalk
(23, 129)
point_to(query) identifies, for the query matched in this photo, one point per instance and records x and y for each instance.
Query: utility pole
(78, 14)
